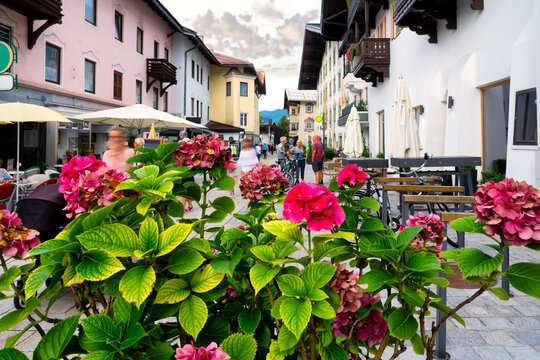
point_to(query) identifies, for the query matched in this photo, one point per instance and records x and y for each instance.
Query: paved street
(495, 329)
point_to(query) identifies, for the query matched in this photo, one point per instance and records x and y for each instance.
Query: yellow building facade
(235, 88)
(302, 108)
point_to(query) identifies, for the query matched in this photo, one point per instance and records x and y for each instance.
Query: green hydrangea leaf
(137, 283)
(240, 347)
(173, 291)
(97, 265)
(192, 315)
(295, 314)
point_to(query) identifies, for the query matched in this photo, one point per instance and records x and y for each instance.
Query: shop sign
(6, 56)
(318, 118)
(7, 82)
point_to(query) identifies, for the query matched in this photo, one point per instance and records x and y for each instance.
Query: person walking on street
(317, 159)
(248, 156)
(259, 151)
(118, 151)
(282, 153)
(264, 149)
(300, 158)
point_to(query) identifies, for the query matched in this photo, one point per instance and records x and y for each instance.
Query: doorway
(495, 100)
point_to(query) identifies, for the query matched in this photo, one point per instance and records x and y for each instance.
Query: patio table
(367, 162)
(405, 164)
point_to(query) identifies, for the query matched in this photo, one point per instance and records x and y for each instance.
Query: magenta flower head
(371, 328)
(86, 181)
(316, 204)
(261, 181)
(351, 174)
(203, 153)
(510, 209)
(15, 239)
(432, 235)
(211, 352)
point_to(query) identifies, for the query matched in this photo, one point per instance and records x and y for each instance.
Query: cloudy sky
(269, 33)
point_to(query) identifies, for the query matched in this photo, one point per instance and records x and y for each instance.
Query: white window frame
(309, 108)
(244, 119)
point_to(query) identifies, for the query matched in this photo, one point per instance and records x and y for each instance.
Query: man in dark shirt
(317, 159)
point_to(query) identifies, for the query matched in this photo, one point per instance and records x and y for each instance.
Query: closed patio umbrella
(353, 146)
(23, 112)
(138, 116)
(404, 140)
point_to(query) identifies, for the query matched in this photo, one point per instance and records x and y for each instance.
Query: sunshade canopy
(23, 112)
(353, 146)
(138, 116)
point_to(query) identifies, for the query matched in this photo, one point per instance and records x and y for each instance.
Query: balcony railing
(373, 63)
(421, 16)
(160, 70)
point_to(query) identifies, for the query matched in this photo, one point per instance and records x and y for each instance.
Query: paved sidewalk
(496, 330)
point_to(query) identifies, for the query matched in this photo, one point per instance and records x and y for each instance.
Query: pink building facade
(95, 59)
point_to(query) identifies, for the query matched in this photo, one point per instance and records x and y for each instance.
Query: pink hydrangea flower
(86, 181)
(373, 327)
(202, 152)
(510, 209)
(351, 174)
(211, 352)
(230, 293)
(432, 235)
(15, 239)
(262, 180)
(316, 204)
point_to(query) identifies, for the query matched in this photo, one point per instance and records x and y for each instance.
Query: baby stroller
(43, 211)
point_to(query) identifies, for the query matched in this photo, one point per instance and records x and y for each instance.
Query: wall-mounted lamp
(421, 110)
(450, 102)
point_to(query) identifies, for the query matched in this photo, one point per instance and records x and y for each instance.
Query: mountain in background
(275, 115)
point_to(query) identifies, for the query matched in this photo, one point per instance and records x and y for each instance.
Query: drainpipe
(185, 74)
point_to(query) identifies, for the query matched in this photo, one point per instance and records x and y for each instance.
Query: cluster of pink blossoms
(348, 53)
(373, 327)
(351, 174)
(318, 205)
(202, 152)
(211, 352)
(262, 180)
(432, 235)
(510, 209)
(15, 239)
(86, 181)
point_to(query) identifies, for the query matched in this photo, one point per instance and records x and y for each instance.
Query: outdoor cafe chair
(37, 179)
(47, 182)
(6, 196)
(48, 172)
(30, 171)
(54, 175)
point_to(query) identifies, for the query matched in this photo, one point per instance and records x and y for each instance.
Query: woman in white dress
(248, 156)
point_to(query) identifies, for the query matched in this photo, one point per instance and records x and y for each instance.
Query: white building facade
(473, 85)
(191, 97)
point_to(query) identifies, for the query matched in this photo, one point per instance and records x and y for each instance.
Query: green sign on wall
(6, 56)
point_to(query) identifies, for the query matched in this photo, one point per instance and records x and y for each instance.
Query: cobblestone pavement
(496, 330)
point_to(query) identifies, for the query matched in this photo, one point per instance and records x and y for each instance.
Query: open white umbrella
(404, 140)
(23, 112)
(353, 146)
(137, 116)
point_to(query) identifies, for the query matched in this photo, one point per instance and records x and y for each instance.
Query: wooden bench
(387, 180)
(405, 189)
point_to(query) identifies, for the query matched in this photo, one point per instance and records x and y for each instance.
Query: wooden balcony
(162, 71)
(373, 63)
(421, 16)
(48, 10)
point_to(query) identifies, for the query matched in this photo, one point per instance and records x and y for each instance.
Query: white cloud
(269, 33)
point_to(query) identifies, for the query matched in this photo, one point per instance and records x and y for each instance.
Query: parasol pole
(89, 137)
(18, 140)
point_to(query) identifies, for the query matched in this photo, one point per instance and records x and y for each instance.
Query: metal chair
(6, 196)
